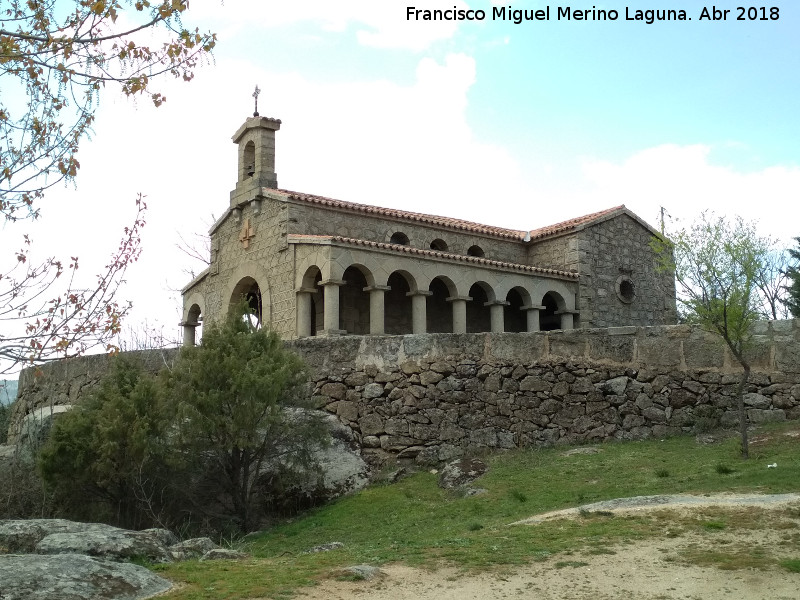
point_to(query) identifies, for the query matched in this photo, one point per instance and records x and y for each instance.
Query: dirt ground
(648, 570)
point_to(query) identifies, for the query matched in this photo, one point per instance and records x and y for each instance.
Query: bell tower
(256, 141)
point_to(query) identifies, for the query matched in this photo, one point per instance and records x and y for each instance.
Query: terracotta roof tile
(571, 223)
(435, 254)
(458, 224)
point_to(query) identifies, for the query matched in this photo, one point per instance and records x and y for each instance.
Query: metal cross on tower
(255, 95)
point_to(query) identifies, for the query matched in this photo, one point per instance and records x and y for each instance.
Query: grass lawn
(415, 522)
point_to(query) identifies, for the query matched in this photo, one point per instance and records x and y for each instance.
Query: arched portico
(371, 289)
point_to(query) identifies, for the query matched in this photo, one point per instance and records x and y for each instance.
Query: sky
(515, 125)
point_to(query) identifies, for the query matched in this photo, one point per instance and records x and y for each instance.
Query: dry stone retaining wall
(434, 396)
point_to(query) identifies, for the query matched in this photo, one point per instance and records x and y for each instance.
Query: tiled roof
(434, 254)
(571, 223)
(411, 216)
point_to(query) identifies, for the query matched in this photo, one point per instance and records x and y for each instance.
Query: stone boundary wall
(54, 387)
(435, 396)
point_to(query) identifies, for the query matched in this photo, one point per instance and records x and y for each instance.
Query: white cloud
(684, 181)
(378, 24)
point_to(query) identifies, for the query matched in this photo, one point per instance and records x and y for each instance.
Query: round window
(625, 289)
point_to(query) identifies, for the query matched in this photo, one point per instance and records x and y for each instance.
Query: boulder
(461, 472)
(193, 548)
(223, 554)
(360, 572)
(75, 577)
(22, 536)
(107, 542)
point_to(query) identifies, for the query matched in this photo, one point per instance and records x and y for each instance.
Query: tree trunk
(742, 411)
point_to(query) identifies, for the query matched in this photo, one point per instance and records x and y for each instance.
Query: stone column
(567, 319)
(459, 313)
(304, 311)
(419, 311)
(496, 315)
(331, 316)
(533, 316)
(188, 333)
(376, 308)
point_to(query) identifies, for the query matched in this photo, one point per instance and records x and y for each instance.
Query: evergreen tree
(793, 287)
(241, 408)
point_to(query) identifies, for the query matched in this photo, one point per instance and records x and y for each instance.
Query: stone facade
(436, 396)
(310, 265)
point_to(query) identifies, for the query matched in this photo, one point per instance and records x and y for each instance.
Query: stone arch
(514, 318)
(398, 312)
(400, 238)
(248, 160)
(439, 245)
(439, 312)
(475, 250)
(312, 314)
(478, 312)
(248, 289)
(193, 320)
(553, 303)
(256, 274)
(354, 303)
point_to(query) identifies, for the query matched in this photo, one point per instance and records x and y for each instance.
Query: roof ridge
(562, 226)
(440, 220)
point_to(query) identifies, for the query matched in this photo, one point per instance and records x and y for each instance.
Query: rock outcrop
(75, 577)
(56, 559)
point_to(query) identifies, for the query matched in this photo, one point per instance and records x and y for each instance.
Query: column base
(331, 332)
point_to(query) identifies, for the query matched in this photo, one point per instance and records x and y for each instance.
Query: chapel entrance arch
(248, 290)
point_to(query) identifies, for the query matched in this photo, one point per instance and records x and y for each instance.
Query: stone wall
(57, 386)
(311, 219)
(617, 249)
(438, 395)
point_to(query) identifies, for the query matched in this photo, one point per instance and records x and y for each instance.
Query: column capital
(454, 298)
(532, 307)
(497, 303)
(567, 311)
(377, 288)
(305, 290)
(419, 293)
(332, 282)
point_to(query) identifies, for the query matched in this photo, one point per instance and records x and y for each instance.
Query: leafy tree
(716, 263)
(241, 402)
(771, 280)
(793, 281)
(48, 315)
(56, 57)
(110, 450)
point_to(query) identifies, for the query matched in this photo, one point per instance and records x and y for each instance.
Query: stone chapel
(315, 266)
